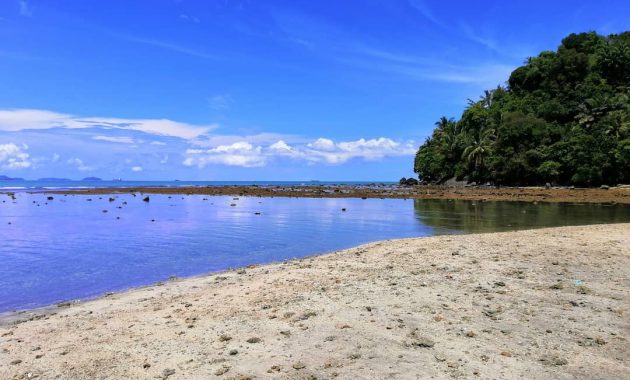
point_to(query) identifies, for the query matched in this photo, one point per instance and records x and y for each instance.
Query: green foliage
(563, 118)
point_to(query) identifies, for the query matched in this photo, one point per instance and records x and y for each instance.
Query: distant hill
(91, 179)
(563, 118)
(6, 178)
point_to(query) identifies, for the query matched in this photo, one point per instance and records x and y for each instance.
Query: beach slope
(547, 303)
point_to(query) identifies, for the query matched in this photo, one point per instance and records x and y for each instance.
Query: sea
(56, 248)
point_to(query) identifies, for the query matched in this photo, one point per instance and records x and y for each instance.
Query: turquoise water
(69, 248)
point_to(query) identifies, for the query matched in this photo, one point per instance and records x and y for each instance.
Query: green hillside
(563, 118)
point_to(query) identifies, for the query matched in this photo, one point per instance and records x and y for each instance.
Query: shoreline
(531, 303)
(613, 195)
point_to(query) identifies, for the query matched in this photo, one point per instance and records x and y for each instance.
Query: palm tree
(479, 148)
(448, 135)
(487, 98)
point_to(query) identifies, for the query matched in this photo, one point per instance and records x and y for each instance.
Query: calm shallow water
(68, 248)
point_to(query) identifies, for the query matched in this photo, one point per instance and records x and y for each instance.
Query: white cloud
(21, 119)
(322, 144)
(281, 148)
(115, 139)
(240, 153)
(321, 150)
(136, 169)
(55, 157)
(373, 149)
(264, 138)
(80, 165)
(14, 157)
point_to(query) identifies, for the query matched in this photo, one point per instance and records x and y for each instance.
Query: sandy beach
(619, 194)
(536, 304)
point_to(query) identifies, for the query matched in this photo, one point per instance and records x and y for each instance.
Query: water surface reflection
(82, 246)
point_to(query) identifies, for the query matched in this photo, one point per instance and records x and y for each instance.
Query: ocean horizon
(69, 184)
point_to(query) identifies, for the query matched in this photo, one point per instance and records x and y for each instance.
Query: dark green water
(477, 216)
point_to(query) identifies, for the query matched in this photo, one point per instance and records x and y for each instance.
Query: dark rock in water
(343, 209)
(146, 199)
(403, 181)
(50, 198)
(112, 199)
(411, 182)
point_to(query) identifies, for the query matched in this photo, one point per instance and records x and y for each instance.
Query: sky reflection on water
(68, 248)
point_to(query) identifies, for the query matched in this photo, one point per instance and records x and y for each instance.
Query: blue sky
(255, 90)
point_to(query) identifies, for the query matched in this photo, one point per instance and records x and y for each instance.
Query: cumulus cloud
(79, 164)
(23, 119)
(136, 169)
(322, 150)
(322, 144)
(238, 154)
(372, 149)
(13, 157)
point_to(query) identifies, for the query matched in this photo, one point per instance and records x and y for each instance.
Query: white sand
(500, 306)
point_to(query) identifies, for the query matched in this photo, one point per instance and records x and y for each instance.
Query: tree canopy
(563, 118)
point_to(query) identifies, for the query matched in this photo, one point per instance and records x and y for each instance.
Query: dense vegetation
(563, 118)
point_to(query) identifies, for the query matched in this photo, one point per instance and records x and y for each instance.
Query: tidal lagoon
(58, 248)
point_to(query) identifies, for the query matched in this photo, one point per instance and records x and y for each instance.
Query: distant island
(54, 179)
(91, 179)
(563, 118)
(6, 178)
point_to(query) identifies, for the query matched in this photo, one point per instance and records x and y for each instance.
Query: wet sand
(547, 303)
(528, 194)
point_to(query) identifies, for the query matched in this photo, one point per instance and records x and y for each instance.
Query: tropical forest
(563, 118)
